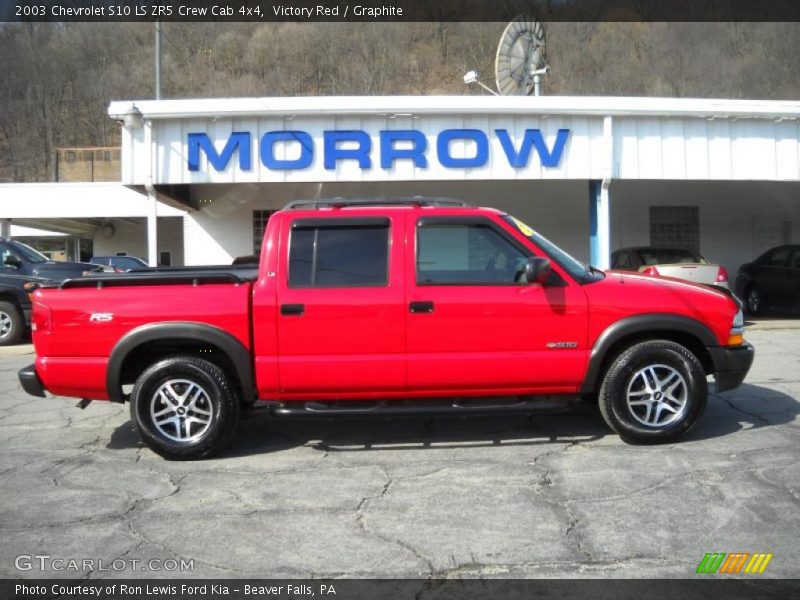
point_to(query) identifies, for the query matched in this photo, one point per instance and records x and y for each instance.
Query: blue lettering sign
(476, 135)
(533, 138)
(239, 140)
(279, 164)
(334, 153)
(416, 153)
(360, 148)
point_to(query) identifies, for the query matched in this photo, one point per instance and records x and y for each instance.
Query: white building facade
(593, 174)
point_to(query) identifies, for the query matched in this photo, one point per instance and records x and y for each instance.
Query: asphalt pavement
(547, 496)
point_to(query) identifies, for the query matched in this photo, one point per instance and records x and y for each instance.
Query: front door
(341, 318)
(474, 325)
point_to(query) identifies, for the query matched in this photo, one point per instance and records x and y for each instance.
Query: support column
(599, 224)
(152, 228)
(5, 228)
(76, 248)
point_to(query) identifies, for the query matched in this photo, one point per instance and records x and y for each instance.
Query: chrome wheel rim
(657, 395)
(753, 301)
(6, 324)
(181, 410)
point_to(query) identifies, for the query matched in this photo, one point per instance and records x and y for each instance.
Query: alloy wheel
(657, 395)
(181, 410)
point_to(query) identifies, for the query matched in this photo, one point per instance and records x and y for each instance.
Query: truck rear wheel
(653, 392)
(12, 325)
(184, 407)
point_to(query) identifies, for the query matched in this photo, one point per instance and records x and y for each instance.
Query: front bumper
(731, 365)
(30, 381)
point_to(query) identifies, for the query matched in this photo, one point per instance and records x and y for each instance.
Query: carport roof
(412, 105)
(75, 201)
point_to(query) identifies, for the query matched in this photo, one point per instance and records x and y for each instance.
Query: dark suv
(120, 263)
(773, 279)
(20, 259)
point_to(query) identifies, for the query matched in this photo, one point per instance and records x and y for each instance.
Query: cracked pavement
(547, 496)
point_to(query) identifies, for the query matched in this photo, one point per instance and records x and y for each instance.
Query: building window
(260, 218)
(675, 227)
(70, 157)
(165, 258)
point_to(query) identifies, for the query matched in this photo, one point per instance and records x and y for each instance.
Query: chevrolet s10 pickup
(391, 307)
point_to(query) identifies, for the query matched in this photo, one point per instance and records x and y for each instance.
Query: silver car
(670, 262)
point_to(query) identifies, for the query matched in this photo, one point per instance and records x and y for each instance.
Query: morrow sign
(393, 145)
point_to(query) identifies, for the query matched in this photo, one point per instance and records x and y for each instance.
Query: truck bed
(166, 276)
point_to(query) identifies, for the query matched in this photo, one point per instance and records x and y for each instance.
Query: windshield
(570, 264)
(28, 253)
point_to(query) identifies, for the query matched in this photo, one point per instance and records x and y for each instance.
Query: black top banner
(257, 11)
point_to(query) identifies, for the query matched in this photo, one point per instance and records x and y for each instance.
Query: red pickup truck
(387, 307)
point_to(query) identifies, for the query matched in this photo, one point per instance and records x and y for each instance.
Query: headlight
(736, 336)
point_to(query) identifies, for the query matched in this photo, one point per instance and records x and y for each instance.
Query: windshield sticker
(526, 231)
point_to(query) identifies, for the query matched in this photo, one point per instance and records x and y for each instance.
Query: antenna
(520, 60)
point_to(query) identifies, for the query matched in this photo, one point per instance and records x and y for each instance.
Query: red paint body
(356, 343)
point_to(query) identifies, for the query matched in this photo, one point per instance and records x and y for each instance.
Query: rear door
(473, 326)
(341, 318)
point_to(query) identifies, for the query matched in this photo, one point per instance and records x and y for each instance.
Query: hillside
(58, 78)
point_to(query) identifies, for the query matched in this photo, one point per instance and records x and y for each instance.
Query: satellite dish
(520, 56)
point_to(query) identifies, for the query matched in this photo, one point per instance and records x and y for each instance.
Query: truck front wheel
(653, 392)
(184, 407)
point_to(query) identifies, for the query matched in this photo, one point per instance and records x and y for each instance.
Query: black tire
(217, 402)
(12, 325)
(754, 301)
(655, 400)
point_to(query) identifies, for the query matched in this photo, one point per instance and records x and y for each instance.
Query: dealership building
(200, 177)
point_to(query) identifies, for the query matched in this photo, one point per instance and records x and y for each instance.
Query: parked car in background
(120, 263)
(670, 262)
(17, 258)
(15, 305)
(773, 279)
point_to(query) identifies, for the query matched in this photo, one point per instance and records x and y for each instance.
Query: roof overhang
(437, 105)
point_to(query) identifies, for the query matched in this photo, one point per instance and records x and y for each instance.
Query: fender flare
(197, 332)
(644, 323)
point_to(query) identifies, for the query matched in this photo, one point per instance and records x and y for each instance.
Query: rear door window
(339, 254)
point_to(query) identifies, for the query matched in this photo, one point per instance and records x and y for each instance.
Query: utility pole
(158, 59)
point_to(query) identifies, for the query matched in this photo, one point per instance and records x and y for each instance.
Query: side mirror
(12, 261)
(537, 270)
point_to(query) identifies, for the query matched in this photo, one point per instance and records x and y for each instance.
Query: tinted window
(621, 260)
(127, 263)
(777, 257)
(100, 260)
(795, 262)
(339, 256)
(466, 254)
(3, 254)
(28, 253)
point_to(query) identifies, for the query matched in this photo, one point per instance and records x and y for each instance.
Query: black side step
(455, 407)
